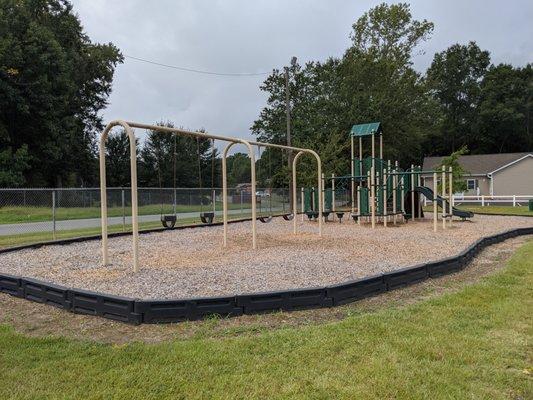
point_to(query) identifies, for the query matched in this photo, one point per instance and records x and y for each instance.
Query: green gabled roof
(366, 129)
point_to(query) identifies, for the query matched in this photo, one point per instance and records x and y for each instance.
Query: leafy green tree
(193, 157)
(454, 78)
(373, 81)
(238, 166)
(118, 159)
(379, 82)
(506, 101)
(13, 166)
(458, 172)
(53, 83)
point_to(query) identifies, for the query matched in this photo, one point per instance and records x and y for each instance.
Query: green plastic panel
(328, 199)
(366, 129)
(363, 201)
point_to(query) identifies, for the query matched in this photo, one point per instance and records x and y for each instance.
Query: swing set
(208, 217)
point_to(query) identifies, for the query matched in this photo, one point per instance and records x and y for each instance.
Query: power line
(197, 71)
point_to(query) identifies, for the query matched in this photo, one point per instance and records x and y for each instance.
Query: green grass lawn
(13, 215)
(507, 210)
(36, 237)
(472, 344)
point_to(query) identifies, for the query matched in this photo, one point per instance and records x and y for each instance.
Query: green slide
(428, 193)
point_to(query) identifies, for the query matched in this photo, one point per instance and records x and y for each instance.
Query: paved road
(47, 226)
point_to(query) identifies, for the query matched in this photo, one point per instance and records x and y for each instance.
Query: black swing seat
(207, 217)
(288, 217)
(311, 214)
(340, 215)
(354, 216)
(265, 219)
(325, 214)
(168, 221)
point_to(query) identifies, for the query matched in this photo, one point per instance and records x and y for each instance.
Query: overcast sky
(256, 36)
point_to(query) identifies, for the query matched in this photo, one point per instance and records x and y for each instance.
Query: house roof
(479, 164)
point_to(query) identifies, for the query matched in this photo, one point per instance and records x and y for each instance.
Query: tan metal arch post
(319, 186)
(103, 192)
(133, 162)
(225, 191)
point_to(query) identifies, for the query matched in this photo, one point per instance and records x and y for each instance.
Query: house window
(471, 184)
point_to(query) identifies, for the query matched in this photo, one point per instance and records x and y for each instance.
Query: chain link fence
(36, 215)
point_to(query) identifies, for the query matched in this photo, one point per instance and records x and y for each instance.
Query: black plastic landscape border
(137, 311)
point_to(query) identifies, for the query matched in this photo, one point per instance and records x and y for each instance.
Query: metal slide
(428, 193)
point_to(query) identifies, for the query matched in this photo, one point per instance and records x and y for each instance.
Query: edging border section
(137, 311)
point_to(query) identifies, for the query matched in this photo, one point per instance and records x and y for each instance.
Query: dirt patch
(39, 320)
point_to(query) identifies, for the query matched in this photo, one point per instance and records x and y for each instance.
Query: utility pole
(288, 116)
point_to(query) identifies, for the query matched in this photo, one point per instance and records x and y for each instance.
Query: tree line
(462, 101)
(54, 82)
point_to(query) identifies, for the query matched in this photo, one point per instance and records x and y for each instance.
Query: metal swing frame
(128, 128)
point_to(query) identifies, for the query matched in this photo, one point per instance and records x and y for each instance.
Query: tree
(454, 78)
(13, 166)
(373, 81)
(458, 172)
(53, 83)
(193, 158)
(505, 107)
(118, 159)
(379, 82)
(238, 166)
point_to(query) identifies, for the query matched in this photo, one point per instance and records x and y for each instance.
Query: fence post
(241, 202)
(123, 212)
(482, 201)
(514, 200)
(175, 201)
(54, 214)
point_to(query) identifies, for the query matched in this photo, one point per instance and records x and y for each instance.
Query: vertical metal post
(385, 197)
(435, 192)
(333, 195)
(214, 198)
(359, 204)
(373, 195)
(175, 201)
(418, 183)
(54, 214)
(241, 202)
(394, 190)
(352, 164)
(373, 182)
(123, 211)
(450, 200)
(412, 192)
(323, 180)
(443, 197)
(302, 200)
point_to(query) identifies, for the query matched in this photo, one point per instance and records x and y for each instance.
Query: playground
(191, 263)
(362, 226)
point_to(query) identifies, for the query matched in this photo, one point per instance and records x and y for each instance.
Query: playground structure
(381, 191)
(206, 217)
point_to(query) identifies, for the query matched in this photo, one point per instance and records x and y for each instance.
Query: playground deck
(192, 262)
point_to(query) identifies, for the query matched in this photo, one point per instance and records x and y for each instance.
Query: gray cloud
(256, 36)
